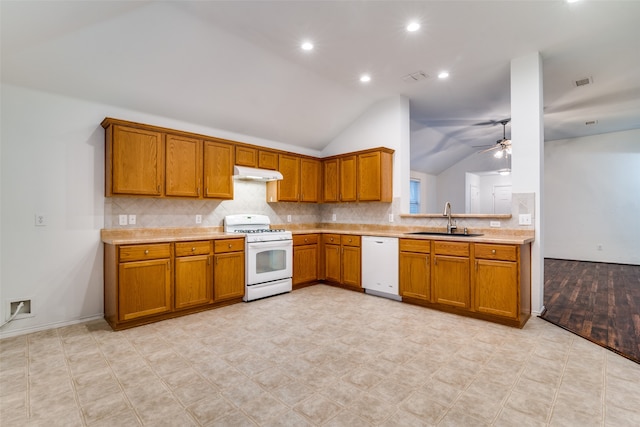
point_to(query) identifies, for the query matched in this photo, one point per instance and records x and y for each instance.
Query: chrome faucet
(451, 225)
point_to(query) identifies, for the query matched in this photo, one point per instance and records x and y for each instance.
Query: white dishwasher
(380, 266)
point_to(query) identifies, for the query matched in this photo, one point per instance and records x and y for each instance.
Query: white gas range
(268, 255)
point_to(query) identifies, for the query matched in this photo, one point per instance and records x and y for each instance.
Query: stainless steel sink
(435, 233)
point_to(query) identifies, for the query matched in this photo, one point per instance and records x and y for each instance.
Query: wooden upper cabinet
(246, 156)
(348, 178)
(134, 161)
(218, 170)
(267, 160)
(287, 189)
(310, 180)
(375, 180)
(330, 188)
(183, 170)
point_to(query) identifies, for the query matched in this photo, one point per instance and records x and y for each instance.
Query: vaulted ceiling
(238, 65)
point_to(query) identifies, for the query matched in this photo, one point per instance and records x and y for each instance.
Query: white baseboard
(24, 331)
(538, 313)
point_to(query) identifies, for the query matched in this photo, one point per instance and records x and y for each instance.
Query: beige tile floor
(317, 356)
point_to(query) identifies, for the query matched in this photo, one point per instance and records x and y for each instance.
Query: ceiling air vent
(415, 77)
(583, 81)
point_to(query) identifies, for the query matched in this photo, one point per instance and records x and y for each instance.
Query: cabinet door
(351, 269)
(415, 275)
(305, 264)
(267, 160)
(228, 275)
(330, 189)
(332, 263)
(218, 170)
(369, 177)
(246, 156)
(309, 180)
(193, 283)
(144, 288)
(496, 288)
(183, 171)
(137, 161)
(347, 182)
(289, 186)
(451, 281)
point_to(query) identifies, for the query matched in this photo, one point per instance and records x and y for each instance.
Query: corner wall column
(527, 161)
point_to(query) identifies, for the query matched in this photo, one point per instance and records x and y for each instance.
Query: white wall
(592, 197)
(53, 163)
(384, 124)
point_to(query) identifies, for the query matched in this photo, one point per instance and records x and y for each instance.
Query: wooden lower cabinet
(415, 269)
(228, 269)
(484, 280)
(145, 288)
(145, 283)
(342, 260)
(305, 258)
(194, 274)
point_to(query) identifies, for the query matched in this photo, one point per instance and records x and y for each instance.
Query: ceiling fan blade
(493, 122)
(489, 149)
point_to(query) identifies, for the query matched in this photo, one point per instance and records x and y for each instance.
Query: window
(414, 196)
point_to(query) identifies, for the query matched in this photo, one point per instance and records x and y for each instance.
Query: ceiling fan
(502, 147)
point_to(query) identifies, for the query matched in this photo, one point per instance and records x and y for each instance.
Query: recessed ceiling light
(307, 46)
(443, 75)
(413, 26)
(365, 78)
(572, 1)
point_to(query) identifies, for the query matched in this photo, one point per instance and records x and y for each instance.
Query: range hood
(254, 174)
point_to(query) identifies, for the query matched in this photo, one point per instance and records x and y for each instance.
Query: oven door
(268, 261)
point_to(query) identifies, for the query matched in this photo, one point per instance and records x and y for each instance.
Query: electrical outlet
(599, 246)
(198, 219)
(333, 217)
(390, 217)
(494, 224)
(41, 220)
(25, 311)
(524, 219)
(132, 219)
(122, 219)
(288, 218)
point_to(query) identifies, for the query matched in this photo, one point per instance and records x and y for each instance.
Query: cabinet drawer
(144, 252)
(229, 245)
(305, 239)
(331, 239)
(500, 252)
(415, 245)
(451, 248)
(193, 248)
(350, 240)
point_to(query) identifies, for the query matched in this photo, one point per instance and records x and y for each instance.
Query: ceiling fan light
(504, 172)
(498, 154)
(509, 150)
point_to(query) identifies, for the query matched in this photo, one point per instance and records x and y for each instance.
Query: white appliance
(380, 266)
(268, 255)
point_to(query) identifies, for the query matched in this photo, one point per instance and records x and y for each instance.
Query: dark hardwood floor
(598, 301)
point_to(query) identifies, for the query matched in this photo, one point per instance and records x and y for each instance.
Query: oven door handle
(274, 244)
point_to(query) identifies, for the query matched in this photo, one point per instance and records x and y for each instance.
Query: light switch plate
(132, 219)
(122, 219)
(494, 224)
(524, 219)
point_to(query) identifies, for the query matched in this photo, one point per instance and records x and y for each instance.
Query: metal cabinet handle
(146, 252)
(305, 240)
(193, 249)
(230, 245)
(493, 251)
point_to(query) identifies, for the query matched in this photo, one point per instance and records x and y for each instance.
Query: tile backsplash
(250, 197)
